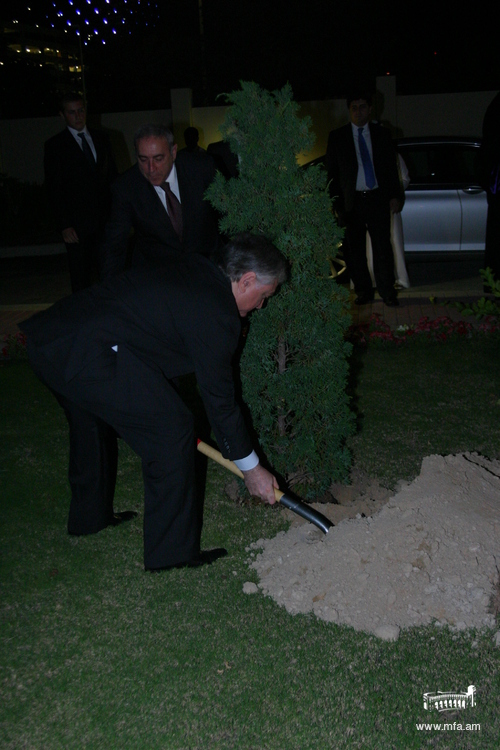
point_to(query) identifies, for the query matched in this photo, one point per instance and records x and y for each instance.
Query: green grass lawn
(95, 653)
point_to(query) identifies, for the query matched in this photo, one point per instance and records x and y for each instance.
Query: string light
(73, 15)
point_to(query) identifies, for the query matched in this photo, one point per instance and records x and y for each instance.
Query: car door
(472, 198)
(432, 214)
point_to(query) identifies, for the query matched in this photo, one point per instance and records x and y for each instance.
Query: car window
(441, 163)
(472, 164)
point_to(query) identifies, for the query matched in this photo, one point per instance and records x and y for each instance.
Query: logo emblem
(450, 701)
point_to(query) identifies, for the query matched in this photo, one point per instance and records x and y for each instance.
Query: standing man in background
(490, 153)
(161, 199)
(79, 168)
(364, 181)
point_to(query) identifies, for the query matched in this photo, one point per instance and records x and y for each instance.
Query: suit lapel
(351, 155)
(98, 151)
(374, 140)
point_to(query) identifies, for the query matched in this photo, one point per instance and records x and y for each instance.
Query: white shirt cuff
(247, 463)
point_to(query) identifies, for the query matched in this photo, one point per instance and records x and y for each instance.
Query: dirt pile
(429, 553)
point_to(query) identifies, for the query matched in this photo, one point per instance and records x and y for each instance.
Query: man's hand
(261, 483)
(395, 205)
(69, 235)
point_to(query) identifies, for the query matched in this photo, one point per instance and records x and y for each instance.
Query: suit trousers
(83, 261)
(118, 393)
(371, 212)
(492, 245)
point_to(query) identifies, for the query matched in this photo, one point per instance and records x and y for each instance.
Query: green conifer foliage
(294, 363)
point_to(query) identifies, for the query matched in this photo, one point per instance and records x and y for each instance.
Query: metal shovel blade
(297, 506)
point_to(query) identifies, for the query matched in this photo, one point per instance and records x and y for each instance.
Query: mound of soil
(429, 553)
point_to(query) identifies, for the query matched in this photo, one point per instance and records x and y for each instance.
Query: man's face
(250, 295)
(155, 159)
(360, 112)
(74, 115)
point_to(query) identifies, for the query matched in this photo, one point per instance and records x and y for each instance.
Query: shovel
(311, 515)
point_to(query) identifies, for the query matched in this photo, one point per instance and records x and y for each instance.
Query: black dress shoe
(205, 557)
(125, 515)
(392, 302)
(364, 299)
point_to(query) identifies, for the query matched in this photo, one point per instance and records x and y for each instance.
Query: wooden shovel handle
(216, 455)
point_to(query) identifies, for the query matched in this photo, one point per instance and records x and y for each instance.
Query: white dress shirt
(88, 138)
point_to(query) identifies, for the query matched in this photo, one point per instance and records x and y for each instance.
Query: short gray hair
(252, 252)
(154, 131)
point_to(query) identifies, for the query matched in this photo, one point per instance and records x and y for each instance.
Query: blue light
(105, 10)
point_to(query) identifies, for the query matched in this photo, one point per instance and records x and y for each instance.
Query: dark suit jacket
(178, 318)
(136, 206)
(490, 147)
(225, 161)
(342, 166)
(78, 193)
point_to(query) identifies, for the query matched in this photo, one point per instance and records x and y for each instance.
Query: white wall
(207, 120)
(21, 141)
(121, 126)
(443, 114)
(21, 146)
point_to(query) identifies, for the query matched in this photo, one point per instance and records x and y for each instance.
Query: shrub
(294, 363)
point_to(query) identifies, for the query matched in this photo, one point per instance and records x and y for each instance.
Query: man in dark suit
(364, 182)
(191, 138)
(490, 153)
(110, 353)
(79, 168)
(160, 198)
(225, 161)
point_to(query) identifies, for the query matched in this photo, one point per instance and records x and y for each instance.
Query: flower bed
(377, 331)
(13, 346)
(441, 329)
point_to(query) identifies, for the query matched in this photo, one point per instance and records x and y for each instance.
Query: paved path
(424, 301)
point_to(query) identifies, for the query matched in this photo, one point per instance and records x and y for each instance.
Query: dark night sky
(319, 46)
